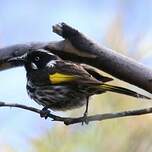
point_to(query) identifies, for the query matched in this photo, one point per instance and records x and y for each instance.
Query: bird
(62, 85)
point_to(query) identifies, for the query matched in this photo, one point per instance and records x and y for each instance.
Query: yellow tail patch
(59, 78)
(107, 87)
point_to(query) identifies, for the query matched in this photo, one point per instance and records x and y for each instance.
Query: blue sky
(31, 20)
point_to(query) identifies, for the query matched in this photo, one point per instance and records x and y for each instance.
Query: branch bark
(70, 120)
(76, 47)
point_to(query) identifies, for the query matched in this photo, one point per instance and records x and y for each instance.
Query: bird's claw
(85, 119)
(44, 113)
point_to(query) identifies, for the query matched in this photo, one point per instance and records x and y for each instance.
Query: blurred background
(123, 25)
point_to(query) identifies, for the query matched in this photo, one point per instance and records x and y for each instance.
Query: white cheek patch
(51, 64)
(34, 66)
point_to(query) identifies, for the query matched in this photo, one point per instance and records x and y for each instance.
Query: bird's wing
(69, 72)
(96, 73)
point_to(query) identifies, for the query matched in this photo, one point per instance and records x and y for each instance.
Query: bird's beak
(17, 60)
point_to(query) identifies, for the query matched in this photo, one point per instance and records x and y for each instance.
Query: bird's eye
(37, 58)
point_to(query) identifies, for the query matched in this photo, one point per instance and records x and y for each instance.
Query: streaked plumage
(62, 85)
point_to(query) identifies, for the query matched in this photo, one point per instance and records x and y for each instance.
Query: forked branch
(78, 48)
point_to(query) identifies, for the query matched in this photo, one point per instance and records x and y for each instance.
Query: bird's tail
(122, 90)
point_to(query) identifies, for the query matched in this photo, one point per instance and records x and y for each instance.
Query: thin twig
(71, 120)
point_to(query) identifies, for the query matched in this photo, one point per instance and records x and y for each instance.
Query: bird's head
(36, 60)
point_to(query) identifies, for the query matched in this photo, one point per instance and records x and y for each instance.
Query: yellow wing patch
(59, 78)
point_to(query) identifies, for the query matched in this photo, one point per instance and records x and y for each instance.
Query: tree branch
(106, 59)
(76, 47)
(70, 120)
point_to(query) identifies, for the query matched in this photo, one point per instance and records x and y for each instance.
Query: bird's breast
(56, 97)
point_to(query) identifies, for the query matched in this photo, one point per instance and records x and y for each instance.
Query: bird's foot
(44, 113)
(85, 119)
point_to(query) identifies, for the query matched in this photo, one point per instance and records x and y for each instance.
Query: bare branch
(20, 49)
(70, 120)
(106, 59)
(78, 48)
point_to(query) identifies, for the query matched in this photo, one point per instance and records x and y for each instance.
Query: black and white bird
(62, 85)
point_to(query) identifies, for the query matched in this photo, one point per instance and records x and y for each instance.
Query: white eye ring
(37, 58)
